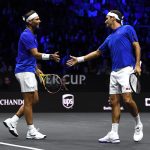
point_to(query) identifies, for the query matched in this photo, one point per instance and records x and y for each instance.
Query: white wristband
(80, 59)
(45, 56)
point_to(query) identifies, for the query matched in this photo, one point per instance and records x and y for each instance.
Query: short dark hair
(26, 15)
(119, 15)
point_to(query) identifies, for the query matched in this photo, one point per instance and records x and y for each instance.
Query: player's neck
(115, 26)
(31, 29)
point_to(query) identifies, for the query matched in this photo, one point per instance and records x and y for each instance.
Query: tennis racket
(51, 82)
(134, 81)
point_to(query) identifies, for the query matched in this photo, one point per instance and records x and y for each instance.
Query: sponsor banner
(70, 102)
(147, 102)
(10, 101)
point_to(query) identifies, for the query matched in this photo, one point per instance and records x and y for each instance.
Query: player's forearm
(36, 68)
(38, 55)
(137, 53)
(89, 56)
(38, 71)
(92, 55)
(138, 57)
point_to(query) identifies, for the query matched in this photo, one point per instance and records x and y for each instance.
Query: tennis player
(125, 55)
(25, 71)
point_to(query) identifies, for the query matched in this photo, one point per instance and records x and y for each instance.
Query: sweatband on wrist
(45, 56)
(80, 59)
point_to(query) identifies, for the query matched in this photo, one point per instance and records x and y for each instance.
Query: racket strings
(138, 88)
(53, 83)
(135, 83)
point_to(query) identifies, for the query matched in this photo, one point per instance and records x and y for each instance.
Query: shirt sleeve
(132, 34)
(104, 46)
(29, 42)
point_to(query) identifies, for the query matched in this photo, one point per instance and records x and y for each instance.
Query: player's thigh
(123, 79)
(27, 80)
(114, 87)
(127, 97)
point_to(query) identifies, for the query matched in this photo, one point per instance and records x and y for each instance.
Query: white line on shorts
(25, 147)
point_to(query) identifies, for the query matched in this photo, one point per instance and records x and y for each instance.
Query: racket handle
(40, 77)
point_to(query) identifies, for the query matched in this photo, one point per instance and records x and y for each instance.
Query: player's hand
(137, 69)
(55, 57)
(72, 62)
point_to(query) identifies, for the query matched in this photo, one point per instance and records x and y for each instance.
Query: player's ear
(29, 22)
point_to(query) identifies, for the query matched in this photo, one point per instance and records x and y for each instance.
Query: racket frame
(138, 83)
(42, 80)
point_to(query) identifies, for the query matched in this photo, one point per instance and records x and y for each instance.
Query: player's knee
(36, 100)
(113, 101)
(127, 99)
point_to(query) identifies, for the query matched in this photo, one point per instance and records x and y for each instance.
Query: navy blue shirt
(120, 45)
(26, 62)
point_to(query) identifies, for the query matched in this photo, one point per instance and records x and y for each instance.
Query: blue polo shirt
(25, 61)
(119, 43)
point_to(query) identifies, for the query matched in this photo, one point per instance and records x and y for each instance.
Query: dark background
(72, 27)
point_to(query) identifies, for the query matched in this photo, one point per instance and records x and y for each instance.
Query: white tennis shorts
(27, 80)
(119, 81)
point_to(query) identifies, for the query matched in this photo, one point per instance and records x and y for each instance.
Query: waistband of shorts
(116, 70)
